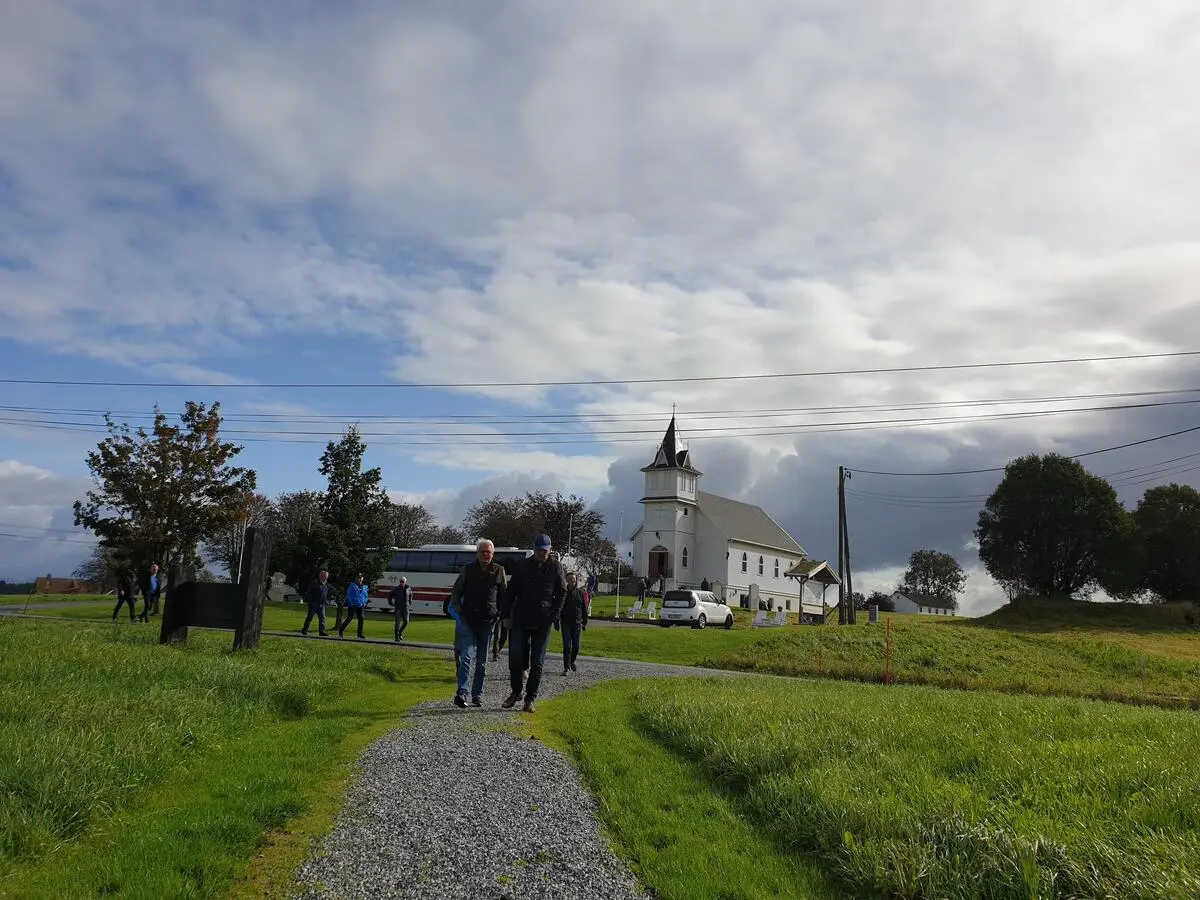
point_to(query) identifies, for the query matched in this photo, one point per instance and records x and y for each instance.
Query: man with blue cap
(533, 604)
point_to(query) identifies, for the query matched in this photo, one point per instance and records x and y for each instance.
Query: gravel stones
(454, 806)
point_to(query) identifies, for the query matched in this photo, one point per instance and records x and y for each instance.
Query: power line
(30, 537)
(615, 418)
(888, 370)
(1150, 440)
(617, 436)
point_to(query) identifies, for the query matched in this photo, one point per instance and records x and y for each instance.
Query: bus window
(462, 560)
(399, 562)
(509, 559)
(418, 561)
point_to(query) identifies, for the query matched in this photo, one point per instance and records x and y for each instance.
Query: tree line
(172, 494)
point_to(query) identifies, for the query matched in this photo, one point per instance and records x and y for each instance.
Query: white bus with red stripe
(431, 571)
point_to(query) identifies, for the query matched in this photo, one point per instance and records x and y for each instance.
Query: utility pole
(851, 611)
(841, 529)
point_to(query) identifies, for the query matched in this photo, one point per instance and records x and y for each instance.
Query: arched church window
(744, 561)
(683, 557)
(776, 568)
(760, 565)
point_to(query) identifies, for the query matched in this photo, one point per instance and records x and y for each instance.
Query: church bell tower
(666, 548)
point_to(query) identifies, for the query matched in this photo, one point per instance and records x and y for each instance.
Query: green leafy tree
(298, 544)
(160, 494)
(356, 512)
(934, 574)
(516, 521)
(447, 534)
(882, 600)
(1168, 528)
(500, 520)
(1053, 529)
(101, 568)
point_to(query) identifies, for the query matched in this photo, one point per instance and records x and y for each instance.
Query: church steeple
(669, 456)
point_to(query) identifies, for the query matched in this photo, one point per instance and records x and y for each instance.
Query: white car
(695, 608)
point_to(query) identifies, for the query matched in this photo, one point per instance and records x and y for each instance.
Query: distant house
(921, 604)
(688, 536)
(48, 585)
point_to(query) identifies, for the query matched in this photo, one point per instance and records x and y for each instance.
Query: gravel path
(451, 806)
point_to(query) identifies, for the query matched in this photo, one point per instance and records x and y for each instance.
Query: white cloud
(591, 192)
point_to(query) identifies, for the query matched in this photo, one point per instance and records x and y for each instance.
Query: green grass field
(1107, 651)
(140, 770)
(754, 789)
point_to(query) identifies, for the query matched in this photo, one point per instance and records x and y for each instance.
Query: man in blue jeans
(533, 604)
(475, 604)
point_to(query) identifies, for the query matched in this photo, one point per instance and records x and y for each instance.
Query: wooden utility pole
(841, 545)
(851, 610)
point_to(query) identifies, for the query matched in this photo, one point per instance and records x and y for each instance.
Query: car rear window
(677, 598)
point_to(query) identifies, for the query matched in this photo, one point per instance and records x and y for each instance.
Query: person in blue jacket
(356, 602)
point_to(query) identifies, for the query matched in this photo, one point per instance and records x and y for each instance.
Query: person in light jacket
(356, 602)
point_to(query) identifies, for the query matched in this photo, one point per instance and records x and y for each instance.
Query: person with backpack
(475, 600)
(356, 602)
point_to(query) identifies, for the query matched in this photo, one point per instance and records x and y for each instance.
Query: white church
(688, 537)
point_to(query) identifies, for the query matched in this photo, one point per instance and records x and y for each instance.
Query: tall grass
(159, 769)
(916, 793)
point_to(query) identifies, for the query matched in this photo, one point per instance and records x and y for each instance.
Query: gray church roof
(747, 523)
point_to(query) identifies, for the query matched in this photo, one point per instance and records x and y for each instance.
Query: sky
(255, 203)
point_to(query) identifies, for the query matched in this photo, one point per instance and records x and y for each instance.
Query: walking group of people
(491, 606)
(128, 587)
(351, 609)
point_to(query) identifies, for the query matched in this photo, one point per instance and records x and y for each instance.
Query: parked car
(695, 608)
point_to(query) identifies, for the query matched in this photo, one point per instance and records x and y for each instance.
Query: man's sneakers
(528, 707)
(511, 700)
(476, 701)
(573, 669)
(564, 672)
(460, 701)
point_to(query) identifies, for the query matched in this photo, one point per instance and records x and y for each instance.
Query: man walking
(475, 597)
(317, 596)
(574, 620)
(401, 598)
(126, 593)
(532, 604)
(151, 589)
(356, 601)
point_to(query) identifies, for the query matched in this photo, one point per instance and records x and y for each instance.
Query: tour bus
(431, 570)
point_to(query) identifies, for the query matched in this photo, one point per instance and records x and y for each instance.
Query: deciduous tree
(225, 548)
(160, 494)
(1053, 529)
(297, 526)
(1168, 528)
(882, 600)
(412, 525)
(356, 510)
(934, 574)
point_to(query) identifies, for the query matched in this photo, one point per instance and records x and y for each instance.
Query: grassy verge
(31, 599)
(897, 792)
(137, 770)
(1134, 665)
(679, 835)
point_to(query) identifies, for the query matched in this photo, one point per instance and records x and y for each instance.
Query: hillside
(1126, 652)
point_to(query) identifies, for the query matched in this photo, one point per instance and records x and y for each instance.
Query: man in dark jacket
(532, 604)
(316, 597)
(574, 620)
(401, 599)
(475, 598)
(151, 586)
(126, 593)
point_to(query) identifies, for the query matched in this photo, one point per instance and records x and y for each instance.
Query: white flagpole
(620, 540)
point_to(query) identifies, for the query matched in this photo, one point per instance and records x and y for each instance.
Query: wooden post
(256, 556)
(851, 610)
(841, 545)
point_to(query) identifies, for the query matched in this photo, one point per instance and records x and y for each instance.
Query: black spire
(668, 443)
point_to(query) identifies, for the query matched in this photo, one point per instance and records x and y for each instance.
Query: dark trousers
(401, 620)
(352, 612)
(318, 610)
(527, 644)
(121, 601)
(499, 637)
(337, 619)
(149, 607)
(570, 635)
